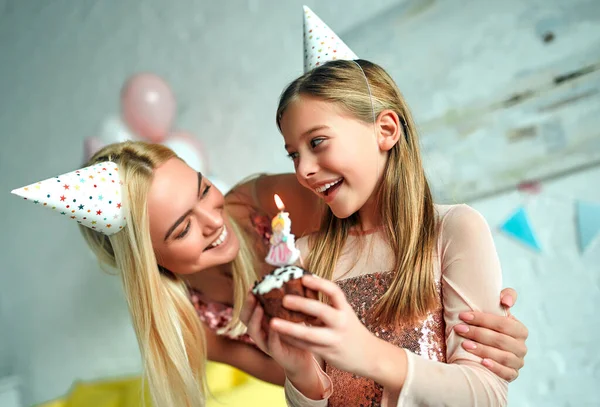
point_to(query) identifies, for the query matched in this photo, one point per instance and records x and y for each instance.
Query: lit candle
(283, 251)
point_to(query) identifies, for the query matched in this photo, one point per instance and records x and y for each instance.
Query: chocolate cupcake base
(274, 286)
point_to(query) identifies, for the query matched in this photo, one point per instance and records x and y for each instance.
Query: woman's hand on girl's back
(499, 340)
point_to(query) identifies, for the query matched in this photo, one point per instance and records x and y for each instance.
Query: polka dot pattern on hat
(91, 196)
(321, 44)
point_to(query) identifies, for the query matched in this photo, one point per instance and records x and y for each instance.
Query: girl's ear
(389, 130)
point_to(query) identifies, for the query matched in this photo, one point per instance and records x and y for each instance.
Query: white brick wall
(559, 293)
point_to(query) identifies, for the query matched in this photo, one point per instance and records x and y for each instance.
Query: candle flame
(279, 202)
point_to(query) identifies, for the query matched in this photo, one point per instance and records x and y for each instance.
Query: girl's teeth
(220, 239)
(325, 187)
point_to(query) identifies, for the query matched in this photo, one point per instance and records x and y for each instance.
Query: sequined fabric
(216, 316)
(425, 338)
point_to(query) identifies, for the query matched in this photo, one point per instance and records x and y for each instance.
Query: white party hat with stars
(91, 196)
(321, 44)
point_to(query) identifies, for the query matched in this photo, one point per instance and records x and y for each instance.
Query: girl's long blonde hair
(170, 335)
(403, 195)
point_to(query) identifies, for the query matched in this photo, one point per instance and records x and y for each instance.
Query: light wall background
(483, 86)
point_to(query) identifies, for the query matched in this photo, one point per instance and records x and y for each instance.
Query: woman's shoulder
(244, 192)
(242, 201)
(258, 192)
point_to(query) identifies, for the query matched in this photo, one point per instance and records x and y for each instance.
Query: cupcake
(282, 281)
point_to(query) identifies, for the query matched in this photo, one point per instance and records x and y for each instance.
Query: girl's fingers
(330, 289)
(322, 312)
(315, 336)
(297, 343)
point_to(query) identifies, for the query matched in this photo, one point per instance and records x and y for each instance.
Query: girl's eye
(206, 189)
(184, 232)
(316, 141)
(293, 156)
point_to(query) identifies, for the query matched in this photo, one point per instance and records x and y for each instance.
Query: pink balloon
(148, 106)
(91, 145)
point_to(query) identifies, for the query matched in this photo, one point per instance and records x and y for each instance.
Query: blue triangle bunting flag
(518, 227)
(588, 223)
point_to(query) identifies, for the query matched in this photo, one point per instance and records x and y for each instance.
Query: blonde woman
(188, 256)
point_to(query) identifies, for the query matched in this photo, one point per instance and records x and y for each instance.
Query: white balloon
(114, 131)
(187, 153)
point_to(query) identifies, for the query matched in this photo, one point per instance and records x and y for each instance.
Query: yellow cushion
(109, 393)
(221, 377)
(228, 387)
(232, 387)
(252, 393)
(55, 403)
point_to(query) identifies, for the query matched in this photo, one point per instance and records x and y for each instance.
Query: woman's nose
(211, 219)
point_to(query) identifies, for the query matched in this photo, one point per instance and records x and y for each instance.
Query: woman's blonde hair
(403, 195)
(169, 332)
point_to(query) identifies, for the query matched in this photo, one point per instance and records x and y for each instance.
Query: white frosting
(277, 278)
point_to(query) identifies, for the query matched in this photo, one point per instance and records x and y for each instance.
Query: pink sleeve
(294, 398)
(471, 281)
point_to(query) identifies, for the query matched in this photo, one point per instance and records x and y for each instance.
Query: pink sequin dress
(439, 370)
(425, 338)
(216, 316)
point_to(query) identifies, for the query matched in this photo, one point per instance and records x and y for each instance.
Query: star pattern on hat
(70, 194)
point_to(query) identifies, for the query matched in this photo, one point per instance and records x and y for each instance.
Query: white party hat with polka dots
(321, 44)
(91, 196)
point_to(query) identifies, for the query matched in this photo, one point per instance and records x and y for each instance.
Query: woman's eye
(206, 189)
(184, 231)
(293, 156)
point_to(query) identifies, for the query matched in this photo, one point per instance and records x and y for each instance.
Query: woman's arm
(244, 357)
(498, 340)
